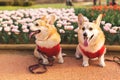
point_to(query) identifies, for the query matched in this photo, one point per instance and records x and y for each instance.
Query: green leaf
(25, 37)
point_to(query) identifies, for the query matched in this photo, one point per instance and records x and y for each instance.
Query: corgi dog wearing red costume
(47, 39)
(91, 41)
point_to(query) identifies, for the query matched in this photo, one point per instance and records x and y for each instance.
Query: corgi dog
(47, 39)
(91, 41)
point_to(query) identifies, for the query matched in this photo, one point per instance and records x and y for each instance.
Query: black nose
(39, 31)
(85, 34)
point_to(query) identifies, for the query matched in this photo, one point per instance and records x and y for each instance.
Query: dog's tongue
(85, 42)
(31, 34)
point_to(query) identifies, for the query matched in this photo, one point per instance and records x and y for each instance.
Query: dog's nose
(85, 34)
(39, 31)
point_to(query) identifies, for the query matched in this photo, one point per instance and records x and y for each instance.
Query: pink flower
(108, 24)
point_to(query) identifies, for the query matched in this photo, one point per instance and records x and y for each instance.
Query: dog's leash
(32, 68)
(115, 59)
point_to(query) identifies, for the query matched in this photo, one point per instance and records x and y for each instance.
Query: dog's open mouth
(91, 37)
(86, 40)
(34, 32)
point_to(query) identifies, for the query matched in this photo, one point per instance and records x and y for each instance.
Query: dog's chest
(98, 53)
(54, 51)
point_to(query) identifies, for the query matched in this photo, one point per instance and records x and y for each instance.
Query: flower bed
(15, 25)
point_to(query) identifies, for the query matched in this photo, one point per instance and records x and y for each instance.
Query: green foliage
(110, 16)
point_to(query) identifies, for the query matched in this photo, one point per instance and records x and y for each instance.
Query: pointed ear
(51, 19)
(80, 19)
(43, 18)
(98, 20)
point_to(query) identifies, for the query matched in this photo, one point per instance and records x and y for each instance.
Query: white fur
(47, 39)
(92, 46)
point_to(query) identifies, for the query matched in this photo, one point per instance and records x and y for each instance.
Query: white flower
(9, 33)
(24, 27)
(115, 28)
(15, 27)
(76, 30)
(1, 28)
(61, 31)
(7, 29)
(76, 35)
(86, 19)
(25, 30)
(16, 31)
(31, 24)
(103, 22)
(59, 22)
(112, 31)
(59, 25)
(1, 19)
(68, 27)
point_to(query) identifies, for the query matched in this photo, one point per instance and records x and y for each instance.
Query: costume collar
(95, 54)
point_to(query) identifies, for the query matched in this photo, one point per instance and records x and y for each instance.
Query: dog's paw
(60, 61)
(45, 61)
(78, 56)
(102, 64)
(85, 64)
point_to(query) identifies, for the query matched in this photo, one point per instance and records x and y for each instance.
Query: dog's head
(88, 31)
(43, 27)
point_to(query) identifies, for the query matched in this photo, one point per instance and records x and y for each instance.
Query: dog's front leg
(85, 61)
(77, 53)
(101, 61)
(40, 56)
(60, 57)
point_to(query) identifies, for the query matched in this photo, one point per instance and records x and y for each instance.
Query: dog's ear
(52, 18)
(43, 18)
(98, 20)
(80, 19)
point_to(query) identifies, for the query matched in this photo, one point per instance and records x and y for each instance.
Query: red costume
(93, 55)
(50, 51)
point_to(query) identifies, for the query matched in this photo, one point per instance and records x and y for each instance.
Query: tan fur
(95, 43)
(48, 37)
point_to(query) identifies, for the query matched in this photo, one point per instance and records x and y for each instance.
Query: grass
(55, 5)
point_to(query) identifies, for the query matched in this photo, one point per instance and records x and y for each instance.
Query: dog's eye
(83, 28)
(36, 24)
(90, 29)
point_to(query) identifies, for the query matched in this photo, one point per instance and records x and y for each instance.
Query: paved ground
(14, 66)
